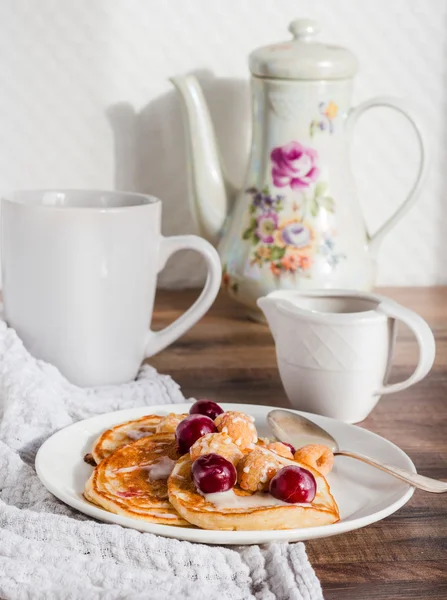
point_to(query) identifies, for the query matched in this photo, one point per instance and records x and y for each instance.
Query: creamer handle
(425, 340)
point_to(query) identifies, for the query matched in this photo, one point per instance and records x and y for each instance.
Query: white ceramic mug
(79, 278)
(335, 348)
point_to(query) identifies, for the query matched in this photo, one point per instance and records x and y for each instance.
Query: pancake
(240, 510)
(133, 480)
(125, 433)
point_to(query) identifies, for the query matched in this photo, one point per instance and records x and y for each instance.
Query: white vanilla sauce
(137, 434)
(228, 499)
(161, 469)
(130, 469)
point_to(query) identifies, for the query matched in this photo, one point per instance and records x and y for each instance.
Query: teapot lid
(303, 57)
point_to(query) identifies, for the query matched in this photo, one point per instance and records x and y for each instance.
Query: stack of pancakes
(139, 473)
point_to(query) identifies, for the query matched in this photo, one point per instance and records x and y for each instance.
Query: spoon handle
(418, 481)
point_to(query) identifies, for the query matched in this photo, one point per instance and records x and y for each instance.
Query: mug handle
(424, 337)
(402, 107)
(158, 340)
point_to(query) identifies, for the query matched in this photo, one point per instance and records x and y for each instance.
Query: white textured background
(85, 102)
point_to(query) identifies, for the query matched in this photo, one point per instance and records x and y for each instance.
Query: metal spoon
(299, 431)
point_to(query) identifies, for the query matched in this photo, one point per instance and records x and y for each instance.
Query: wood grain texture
(228, 358)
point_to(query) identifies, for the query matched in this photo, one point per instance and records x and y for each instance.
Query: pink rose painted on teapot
(294, 165)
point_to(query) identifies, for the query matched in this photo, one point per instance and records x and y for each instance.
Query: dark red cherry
(206, 407)
(191, 429)
(213, 473)
(292, 449)
(293, 484)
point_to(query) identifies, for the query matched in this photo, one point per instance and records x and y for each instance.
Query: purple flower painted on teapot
(267, 223)
(295, 234)
(294, 165)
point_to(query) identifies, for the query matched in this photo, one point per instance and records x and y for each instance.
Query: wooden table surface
(228, 358)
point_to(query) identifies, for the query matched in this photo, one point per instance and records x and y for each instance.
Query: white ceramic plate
(364, 494)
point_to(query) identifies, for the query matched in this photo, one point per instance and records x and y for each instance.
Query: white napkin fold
(50, 551)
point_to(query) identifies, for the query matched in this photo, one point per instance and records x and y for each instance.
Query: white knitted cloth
(50, 551)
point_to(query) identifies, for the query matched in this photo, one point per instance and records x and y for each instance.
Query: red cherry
(191, 429)
(213, 473)
(206, 407)
(292, 449)
(293, 484)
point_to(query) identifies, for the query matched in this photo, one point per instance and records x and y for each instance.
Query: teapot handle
(401, 106)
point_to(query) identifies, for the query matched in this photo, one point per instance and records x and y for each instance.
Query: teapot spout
(208, 195)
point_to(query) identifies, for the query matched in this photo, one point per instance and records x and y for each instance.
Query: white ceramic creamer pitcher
(297, 221)
(334, 349)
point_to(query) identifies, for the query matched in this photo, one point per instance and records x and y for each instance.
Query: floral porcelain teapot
(297, 223)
